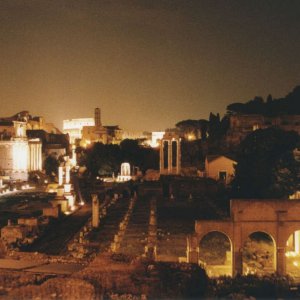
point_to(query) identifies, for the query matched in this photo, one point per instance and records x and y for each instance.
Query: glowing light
(155, 138)
(191, 137)
(290, 254)
(26, 187)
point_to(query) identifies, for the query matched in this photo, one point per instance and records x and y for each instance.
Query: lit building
(74, 127)
(135, 135)
(145, 138)
(100, 133)
(18, 154)
(32, 123)
(52, 143)
(240, 125)
(219, 167)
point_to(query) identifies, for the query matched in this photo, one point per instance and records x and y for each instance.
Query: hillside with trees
(289, 105)
(266, 165)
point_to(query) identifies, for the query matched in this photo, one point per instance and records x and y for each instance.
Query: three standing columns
(169, 168)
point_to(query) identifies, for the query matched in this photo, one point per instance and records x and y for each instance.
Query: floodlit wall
(276, 217)
(220, 164)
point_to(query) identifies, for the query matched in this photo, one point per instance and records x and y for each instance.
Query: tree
(266, 166)
(103, 159)
(191, 153)
(130, 151)
(149, 159)
(189, 128)
(272, 107)
(51, 165)
(269, 99)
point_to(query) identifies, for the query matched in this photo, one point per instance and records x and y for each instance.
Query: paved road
(56, 237)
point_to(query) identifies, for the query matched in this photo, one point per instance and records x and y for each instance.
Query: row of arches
(258, 254)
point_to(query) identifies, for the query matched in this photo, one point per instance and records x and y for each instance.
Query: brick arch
(278, 218)
(263, 231)
(273, 241)
(228, 264)
(290, 229)
(200, 238)
(205, 227)
(260, 228)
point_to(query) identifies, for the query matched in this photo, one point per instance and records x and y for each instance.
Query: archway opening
(215, 254)
(292, 255)
(259, 256)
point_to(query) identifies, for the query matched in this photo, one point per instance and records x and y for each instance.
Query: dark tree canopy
(191, 153)
(51, 165)
(197, 127)
(272, 107)
(266, 165)
(103, 159)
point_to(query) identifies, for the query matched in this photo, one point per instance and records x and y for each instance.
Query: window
(222, 175)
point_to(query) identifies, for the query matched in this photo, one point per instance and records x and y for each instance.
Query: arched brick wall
(276, 217)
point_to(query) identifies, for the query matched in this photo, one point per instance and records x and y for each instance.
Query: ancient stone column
(170, 167)
(30, 158)
(161, 156)
(237, 262)
(33, 157)
(237, 252)
(60, 175)
(40, 157)
(281, 261)
(192, 251)
(95, 211)
(74, 161)
(68, 174)
(178, 158)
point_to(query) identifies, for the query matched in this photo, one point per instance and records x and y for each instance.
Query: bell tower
(98, 117)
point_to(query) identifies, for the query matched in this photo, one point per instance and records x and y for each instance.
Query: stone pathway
(110, 225)
(135, 236)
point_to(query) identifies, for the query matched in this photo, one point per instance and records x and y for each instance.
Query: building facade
(74, 127)
(18, 154)
(98, 133)
(241, 125)
(220, 168)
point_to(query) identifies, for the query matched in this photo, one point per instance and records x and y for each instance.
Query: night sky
(147, 64)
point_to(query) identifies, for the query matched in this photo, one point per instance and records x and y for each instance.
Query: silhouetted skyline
(147, 64)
